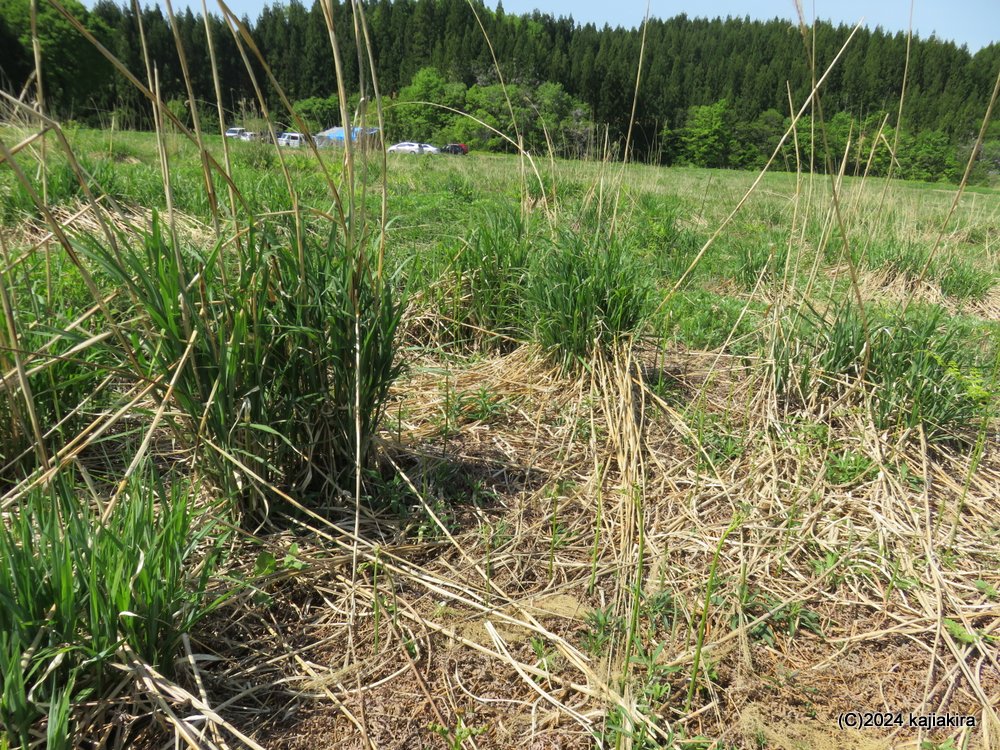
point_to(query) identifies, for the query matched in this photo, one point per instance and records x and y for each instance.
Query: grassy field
(479, 452)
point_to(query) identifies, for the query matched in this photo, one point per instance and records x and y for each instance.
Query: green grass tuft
(918, 368)
(270, 378)
(586, 295)
(75, 589)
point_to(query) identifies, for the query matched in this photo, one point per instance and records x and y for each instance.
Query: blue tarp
(337, 134)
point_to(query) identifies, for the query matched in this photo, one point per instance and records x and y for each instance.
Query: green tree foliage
(930, 157)
(14, 61)
(988, 165)
(707, 137)
(543, 116)
(419, 112)
(72, 70)
(319, 113)
(759, 138)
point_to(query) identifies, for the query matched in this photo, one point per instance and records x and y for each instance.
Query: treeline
(736, 73)
(712, 136)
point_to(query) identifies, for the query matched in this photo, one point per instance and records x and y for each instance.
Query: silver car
(408, 147)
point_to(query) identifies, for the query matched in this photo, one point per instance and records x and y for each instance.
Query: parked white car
(409, 147)
(248, 135)
(292, 140)
(235, 132)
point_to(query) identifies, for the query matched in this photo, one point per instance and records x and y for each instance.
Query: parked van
(292, 140)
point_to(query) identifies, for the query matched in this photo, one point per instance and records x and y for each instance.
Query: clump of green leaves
(660, 235)
(846, 467)
(703, 320)
(760, 259)
(898, 258)
(618, 726)
(256, 154)
(602, 626)
(789, 619)
(987, 589)
(456, 736)
(64, 376)
(716, 442)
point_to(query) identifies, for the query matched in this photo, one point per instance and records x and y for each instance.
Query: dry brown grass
(880, 564)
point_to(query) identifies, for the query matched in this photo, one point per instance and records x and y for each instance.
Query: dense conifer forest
(712, 92)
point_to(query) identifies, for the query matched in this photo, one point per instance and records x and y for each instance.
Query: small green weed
(544, 655)
(497, 534)
(948, 744)
(988, 589)
(715, 441)
(908, 477)
(654, 676)
(667, 388)
(602, 626)
(790, 619)
(483, 405)
(660, 610)
(847, 467)
(824, 565)
(456, 736)
(618, 726)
